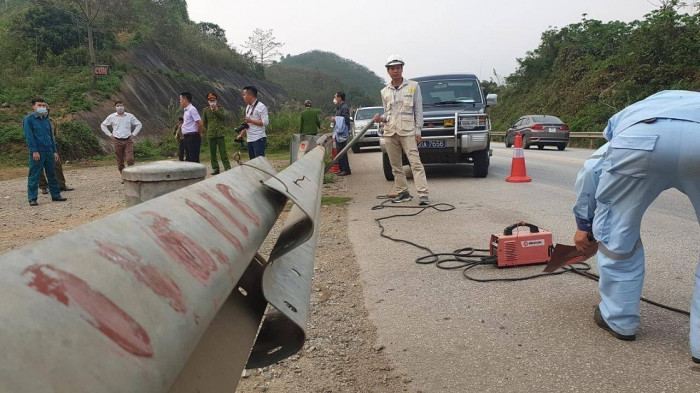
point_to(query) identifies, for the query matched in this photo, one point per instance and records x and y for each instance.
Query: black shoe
(44, 191)
(403, 196)
(33, 202)
(424, 201)
(66, 189)
(215, 173)
(601, 322)
(696, 360)
(343, 173)
(59, 199)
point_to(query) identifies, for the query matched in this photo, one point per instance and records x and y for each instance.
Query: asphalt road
(454, 335)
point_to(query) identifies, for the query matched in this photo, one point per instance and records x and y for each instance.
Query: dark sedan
(539, 130)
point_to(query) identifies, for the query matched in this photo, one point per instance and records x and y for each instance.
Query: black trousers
(181, 149)
(193, 142)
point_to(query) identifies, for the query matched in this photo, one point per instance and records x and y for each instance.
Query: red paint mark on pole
(182, 249)
(99, 311)
(235, 199)
(160, 283)
(215, 223)
(226, 212)
(223, 260)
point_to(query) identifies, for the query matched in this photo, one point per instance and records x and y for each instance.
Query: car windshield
(368, 113)
(547, 119)
(450, 92)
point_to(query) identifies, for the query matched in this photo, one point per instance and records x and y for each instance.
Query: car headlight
(471, 122)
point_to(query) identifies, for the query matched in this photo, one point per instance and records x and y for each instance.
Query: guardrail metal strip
(121, 303)
(288, 277)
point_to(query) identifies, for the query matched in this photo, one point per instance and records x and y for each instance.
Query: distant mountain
(317, 75)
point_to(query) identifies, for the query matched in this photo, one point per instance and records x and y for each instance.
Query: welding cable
(468, 257)
(596, 277)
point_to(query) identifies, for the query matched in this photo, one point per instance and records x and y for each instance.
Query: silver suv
(456, 128)
(361, 118)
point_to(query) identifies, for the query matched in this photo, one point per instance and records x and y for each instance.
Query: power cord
(468, 257)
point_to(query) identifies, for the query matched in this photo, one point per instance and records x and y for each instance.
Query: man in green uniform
(43, 183)
(214, 121)
(310, 122)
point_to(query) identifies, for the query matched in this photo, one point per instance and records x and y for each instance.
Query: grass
(335, 200)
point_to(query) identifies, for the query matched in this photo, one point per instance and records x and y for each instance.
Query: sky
(434, 37)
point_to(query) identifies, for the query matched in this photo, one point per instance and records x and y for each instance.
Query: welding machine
(522, 247)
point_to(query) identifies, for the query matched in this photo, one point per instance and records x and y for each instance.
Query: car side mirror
(492, 99)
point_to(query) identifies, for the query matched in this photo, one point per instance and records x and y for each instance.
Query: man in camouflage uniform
(214, 119)
(43, 183)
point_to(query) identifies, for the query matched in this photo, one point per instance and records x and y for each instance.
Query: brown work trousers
(124, 149)
(395, 145)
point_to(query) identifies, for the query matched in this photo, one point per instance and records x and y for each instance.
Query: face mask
(335, 101)
(42, 111)
(212, 103)
(120, 109)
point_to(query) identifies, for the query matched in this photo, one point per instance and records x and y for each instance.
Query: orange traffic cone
(518, 173)
(334, 152)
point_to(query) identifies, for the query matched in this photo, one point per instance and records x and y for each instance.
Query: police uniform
(654, 146)
(403, 115)
(214, 121)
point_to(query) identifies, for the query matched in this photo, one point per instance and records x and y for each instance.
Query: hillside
(345, 70)
(306, 84)
(153, 55)
(318, 75)
(586, 72)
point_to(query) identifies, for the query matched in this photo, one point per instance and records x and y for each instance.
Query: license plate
(431, 145)
(552, 129)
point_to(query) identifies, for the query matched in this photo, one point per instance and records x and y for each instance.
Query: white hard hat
(394, 59)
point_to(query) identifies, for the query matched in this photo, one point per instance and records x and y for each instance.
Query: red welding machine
(522, 247)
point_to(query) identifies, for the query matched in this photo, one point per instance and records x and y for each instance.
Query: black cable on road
(468, 257)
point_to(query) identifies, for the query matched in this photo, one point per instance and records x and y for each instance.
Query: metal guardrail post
(349, 145)
(120, 304)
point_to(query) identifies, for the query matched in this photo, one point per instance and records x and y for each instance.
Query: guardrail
(575, 135)
(167, 295)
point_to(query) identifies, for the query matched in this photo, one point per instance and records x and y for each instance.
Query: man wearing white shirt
(257, 118)
(192, 127)
(122, 135)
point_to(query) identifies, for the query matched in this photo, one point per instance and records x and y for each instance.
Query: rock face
(151, 90)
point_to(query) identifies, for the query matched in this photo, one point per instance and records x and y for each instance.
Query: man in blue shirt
(653, 146)
(42, 151)
(341, 131)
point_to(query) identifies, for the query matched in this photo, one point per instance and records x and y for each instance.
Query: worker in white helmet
(403, 118)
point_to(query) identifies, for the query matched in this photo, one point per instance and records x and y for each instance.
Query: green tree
(212, 30)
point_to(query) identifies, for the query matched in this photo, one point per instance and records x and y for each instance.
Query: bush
(279, 133)
(76, 141)
(155, 148)
(10, 135)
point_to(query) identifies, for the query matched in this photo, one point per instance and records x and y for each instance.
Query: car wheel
(508, 143)
(526, 142)
(356, 148)
(561, 146)
(481, 163)
(386, 166)
(540, 146)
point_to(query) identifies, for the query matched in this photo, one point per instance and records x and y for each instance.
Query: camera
(237, 130)
(243, 126)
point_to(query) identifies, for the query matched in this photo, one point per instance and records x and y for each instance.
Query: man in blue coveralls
(653, 146)
(42, 151)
